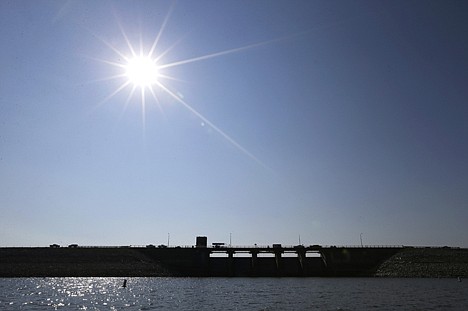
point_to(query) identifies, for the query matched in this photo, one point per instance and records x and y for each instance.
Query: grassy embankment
(49, 262)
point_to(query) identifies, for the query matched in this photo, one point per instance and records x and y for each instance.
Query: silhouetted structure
(202, 242)
(222, 260)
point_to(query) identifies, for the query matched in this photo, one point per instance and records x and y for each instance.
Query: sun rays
(143, 74)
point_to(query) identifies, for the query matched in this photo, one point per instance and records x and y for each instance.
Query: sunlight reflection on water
(232, 294)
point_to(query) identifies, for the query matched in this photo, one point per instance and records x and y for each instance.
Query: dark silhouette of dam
(295, 261)
(199, 260)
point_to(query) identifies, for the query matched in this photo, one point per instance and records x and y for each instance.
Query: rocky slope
(426, 262)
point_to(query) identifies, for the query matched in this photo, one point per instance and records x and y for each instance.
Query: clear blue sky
(338, 118)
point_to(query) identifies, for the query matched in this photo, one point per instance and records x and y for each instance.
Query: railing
(246, 247)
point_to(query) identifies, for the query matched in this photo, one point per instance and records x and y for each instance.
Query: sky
(312, 122)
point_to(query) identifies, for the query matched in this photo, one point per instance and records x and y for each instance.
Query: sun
(146, 70)
(142, 71)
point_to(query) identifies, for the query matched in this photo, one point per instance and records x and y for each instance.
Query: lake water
(233, 294)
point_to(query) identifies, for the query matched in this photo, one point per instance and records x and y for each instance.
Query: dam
(200, 260)
(279, 261)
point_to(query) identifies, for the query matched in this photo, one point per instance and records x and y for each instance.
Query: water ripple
(232, 294)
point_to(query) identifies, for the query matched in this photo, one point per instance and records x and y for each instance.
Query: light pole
(168, 237)
(360, 236)
(230, 239)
